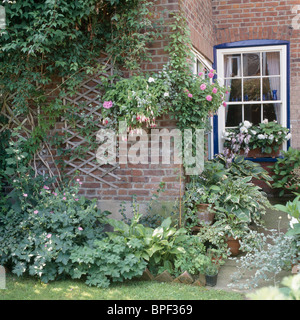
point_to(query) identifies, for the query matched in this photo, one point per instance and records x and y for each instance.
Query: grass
(28, 288)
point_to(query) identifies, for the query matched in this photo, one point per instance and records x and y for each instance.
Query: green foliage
(194, 260)
(274, 253)
(49, 47)
(285, 175)
(161, 245)
(267, 136)
(229, 188)
(211, 269)
(241, 167)
(137, 100)
(39, 238)
(190, 106)
(290, 290)
(240, 197)
(112, 259)
(292, 208)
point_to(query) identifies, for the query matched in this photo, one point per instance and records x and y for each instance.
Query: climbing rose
(190, 95)
(208, 98)
(107, 104)
(211, 75)
(203, 86)
(215, 90)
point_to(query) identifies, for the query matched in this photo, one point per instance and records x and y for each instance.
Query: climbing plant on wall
(48, 48)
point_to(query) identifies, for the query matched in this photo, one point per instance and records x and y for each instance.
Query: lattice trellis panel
(43, 161)
(86, 102)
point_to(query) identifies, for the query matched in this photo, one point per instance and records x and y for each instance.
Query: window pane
(232, 65)
(271, 63)
(235, 93)
(252, 89)
(252, 113)
(233, 115)
(271, 88)
(251, 64)
(271, 111)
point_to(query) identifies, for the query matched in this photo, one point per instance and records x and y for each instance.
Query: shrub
(39, 239)
(285, 175)
(112, 259)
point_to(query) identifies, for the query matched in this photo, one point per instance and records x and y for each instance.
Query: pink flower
(200, 74)
(77, 180)
(35, 212)
(211, 70)
(190, 95)
(64, 198)
(211, 75)
(208, 98)
(224, 104)
(76, 199)
(25, 195)
(227, 92)
(203, 86)
(107, 104)
(80, 229)
(48, 235)
(46, 188)
(55, 194)
(215, 90)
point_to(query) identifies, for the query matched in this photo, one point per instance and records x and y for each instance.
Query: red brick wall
(199, 17)
(237, 20)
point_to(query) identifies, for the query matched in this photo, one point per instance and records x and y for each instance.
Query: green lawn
(32, 289)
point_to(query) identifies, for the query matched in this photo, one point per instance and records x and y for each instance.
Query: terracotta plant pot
(233, 245)
(205, 213)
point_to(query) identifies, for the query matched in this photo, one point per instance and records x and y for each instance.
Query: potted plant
(260, 141)
(201, 195)
(211, 274)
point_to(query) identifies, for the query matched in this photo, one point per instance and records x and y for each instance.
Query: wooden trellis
(43, 161)
(87, 101)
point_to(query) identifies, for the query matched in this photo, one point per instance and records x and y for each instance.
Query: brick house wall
(211, 22)
(237, 20)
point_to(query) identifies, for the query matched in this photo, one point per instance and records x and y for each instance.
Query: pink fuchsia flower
(190, 95)
(211, 75)
(49, 235)
(35, 212)
(214, 90)
(80, 229)
(203, 86)
(25, 195)
(107, 104)
(208, 98)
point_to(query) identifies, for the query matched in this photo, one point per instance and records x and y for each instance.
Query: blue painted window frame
(248, 44)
